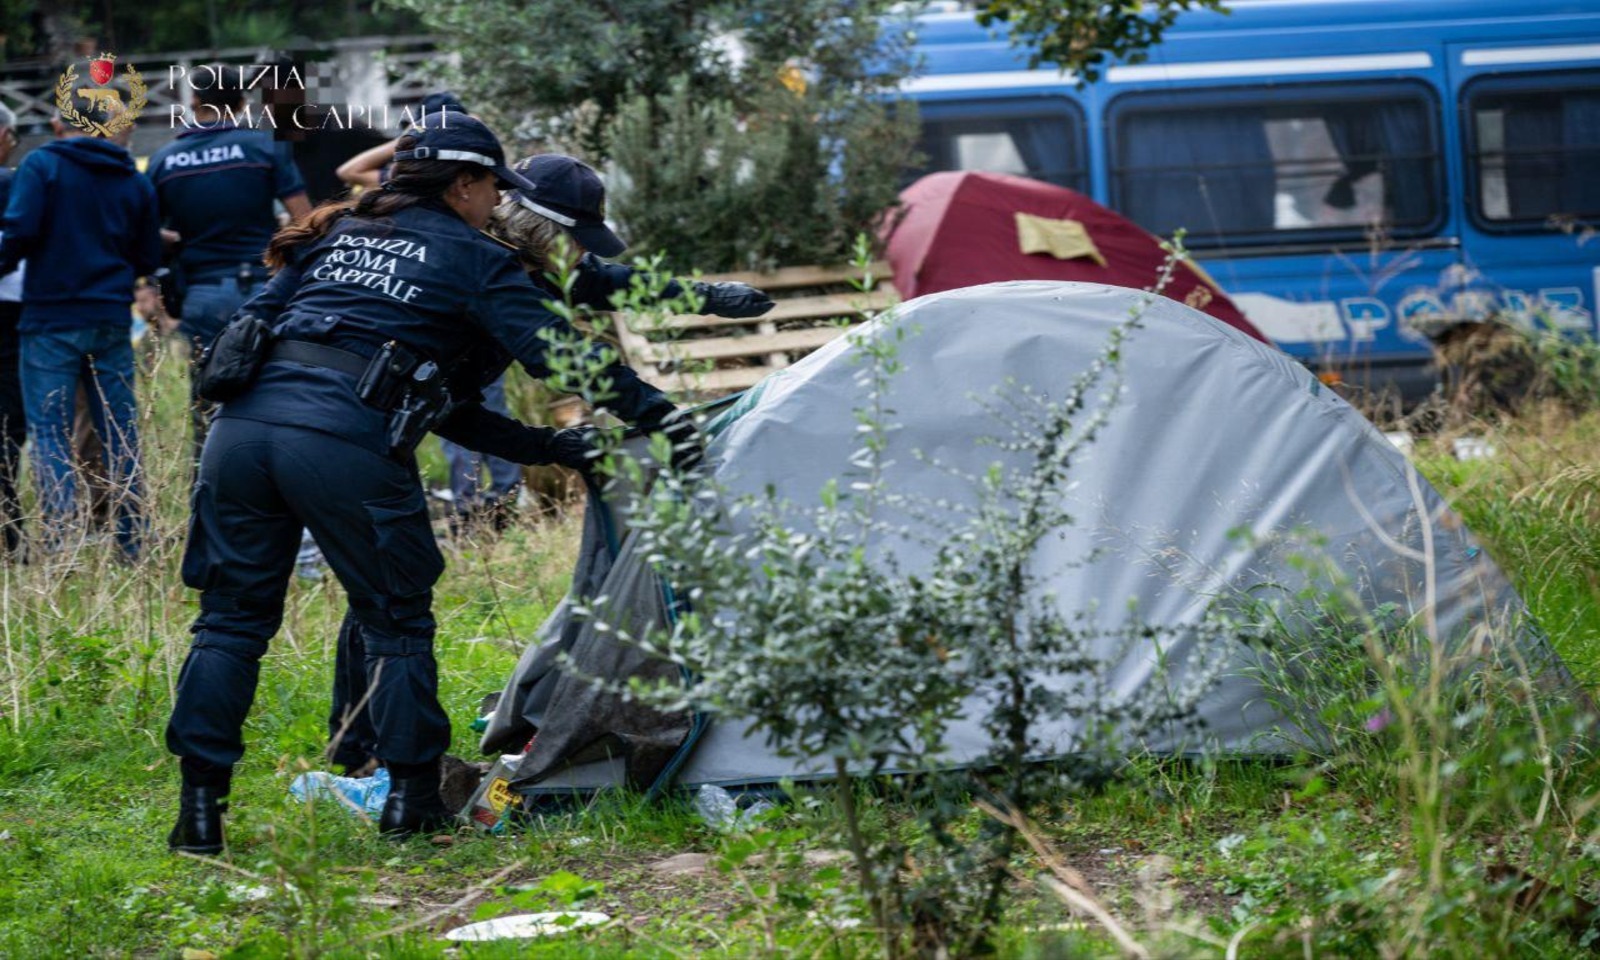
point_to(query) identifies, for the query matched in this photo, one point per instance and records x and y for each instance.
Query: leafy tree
(569, 67)
(1081, 35)
(128, 27)
(784, 176)
(741, 133)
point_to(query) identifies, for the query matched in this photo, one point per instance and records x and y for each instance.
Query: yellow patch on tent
(1062, 239)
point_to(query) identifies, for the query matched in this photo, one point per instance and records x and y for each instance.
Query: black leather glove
(729, 299)
(688, 447)
(575, 447)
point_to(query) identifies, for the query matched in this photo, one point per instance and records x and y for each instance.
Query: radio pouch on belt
(387, 376)
(230, 364)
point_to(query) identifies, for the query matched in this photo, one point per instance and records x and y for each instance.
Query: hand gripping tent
(1218, 460)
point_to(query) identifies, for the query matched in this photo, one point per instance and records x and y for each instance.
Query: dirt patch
(1141, 884)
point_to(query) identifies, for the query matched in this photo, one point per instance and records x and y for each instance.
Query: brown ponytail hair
(410, 182)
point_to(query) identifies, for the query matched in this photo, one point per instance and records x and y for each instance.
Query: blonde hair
(537, 239)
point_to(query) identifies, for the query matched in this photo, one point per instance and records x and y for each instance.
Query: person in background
(88, 449)
(474, 505)
(365, 169)
(217, 184)
(567, 201)
(87, 223)
(13, 419)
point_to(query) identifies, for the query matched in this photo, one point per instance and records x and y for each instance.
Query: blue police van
(1355, 173)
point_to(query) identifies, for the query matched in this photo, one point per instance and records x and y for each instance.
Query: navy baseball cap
(443, 101)
(568, 191)
(456, 136)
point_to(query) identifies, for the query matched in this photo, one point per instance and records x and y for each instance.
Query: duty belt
(409, 389)
(320, 355)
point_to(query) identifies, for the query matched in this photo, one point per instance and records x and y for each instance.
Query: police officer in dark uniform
(566, 199)
(217, 183)
(371, 301)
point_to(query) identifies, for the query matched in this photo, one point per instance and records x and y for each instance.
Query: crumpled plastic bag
(363, 794)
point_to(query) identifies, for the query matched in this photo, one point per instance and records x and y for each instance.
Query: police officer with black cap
(217, 183)
(568, 194)
(566, 198)
(371, 301)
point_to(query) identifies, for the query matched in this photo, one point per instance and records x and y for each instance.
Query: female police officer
(566, 200)
(370, 301)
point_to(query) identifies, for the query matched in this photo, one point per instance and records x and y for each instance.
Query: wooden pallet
(706, 356)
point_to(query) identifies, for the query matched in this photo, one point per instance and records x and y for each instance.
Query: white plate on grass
(524, 925)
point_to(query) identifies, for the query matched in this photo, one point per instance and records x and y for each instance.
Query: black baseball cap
(568, 191)
(456, 136)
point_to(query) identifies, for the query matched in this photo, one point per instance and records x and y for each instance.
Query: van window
(1535, 149)
(1039, 137)
(1244, 167)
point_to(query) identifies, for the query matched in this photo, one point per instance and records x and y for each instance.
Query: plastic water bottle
(367, 794)
(718, 808)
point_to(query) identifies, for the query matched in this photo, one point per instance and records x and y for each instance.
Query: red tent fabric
(959, 229)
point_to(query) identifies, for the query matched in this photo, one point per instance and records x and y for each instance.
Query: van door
(1529, 113)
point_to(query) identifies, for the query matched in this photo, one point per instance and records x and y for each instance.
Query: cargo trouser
(351, 739)
(258, 485)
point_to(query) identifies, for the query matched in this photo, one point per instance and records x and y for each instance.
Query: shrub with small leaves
(801, 623)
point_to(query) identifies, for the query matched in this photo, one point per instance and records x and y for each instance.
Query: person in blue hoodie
(87, 224)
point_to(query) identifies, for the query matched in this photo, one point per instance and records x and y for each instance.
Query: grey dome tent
(1214, 433)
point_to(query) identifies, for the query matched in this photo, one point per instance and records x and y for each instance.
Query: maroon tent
(961, 229)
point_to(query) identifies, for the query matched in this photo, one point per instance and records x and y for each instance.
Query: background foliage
(1083, 35)
(739, 134)
(33, 28)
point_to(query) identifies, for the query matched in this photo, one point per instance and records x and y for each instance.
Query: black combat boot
(201, 804)
(414, 805)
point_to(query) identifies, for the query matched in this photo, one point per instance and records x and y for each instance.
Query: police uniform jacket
(425, 279)
(593, 283)
(597, 281)
(217, 185)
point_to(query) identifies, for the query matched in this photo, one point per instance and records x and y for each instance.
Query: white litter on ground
(525, 925)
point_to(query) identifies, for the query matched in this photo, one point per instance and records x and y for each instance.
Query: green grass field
(1231, 859)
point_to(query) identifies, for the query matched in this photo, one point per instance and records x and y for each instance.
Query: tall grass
(84, 626)
(90, 649)
(89, 641)
(1480, 763)
(1381, 848)
(1536, 507)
